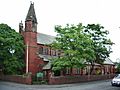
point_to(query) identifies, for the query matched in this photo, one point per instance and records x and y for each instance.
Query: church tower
(31, 20)
(30, 39)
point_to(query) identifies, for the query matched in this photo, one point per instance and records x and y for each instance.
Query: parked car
(116, 80)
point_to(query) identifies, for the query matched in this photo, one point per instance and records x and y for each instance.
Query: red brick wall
(18, 79)
(35, 63)
(77, 79)
(30, 38)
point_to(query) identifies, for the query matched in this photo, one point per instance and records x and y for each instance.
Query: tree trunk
(71, 71)
(92, 68)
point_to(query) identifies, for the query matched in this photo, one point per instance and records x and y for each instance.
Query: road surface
(95, 85)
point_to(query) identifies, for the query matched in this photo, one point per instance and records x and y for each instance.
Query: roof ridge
(46, 34)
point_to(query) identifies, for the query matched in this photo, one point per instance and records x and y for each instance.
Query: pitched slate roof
(47, 58)
(44, 38)
(47, 66)
(108, 61)
(31, 14)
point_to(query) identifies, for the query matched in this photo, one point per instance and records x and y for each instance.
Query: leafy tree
(76, 46)
(117, 64)
(100, 42)
(118, 68)
(11, 50)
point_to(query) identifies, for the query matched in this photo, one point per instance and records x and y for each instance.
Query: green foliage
(11, 50)
(56, 72)
(118, 67)
(77, 47)
(101, 43)
(80, 44)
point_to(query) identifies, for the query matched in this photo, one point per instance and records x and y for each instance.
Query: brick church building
(38, 54)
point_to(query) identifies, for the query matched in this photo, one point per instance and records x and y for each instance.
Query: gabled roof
(47, 58)
(108, 61)
(44, 38)
(31, 14)
(47, 66)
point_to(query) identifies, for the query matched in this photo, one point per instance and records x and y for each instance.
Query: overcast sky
(60, 12)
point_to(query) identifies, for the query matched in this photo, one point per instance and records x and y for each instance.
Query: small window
(67, 70)
(53, 52)
(45, 51)
(78, 70)
(41, 50)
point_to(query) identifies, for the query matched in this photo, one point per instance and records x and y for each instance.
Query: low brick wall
(77, 79)
(17, 78)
